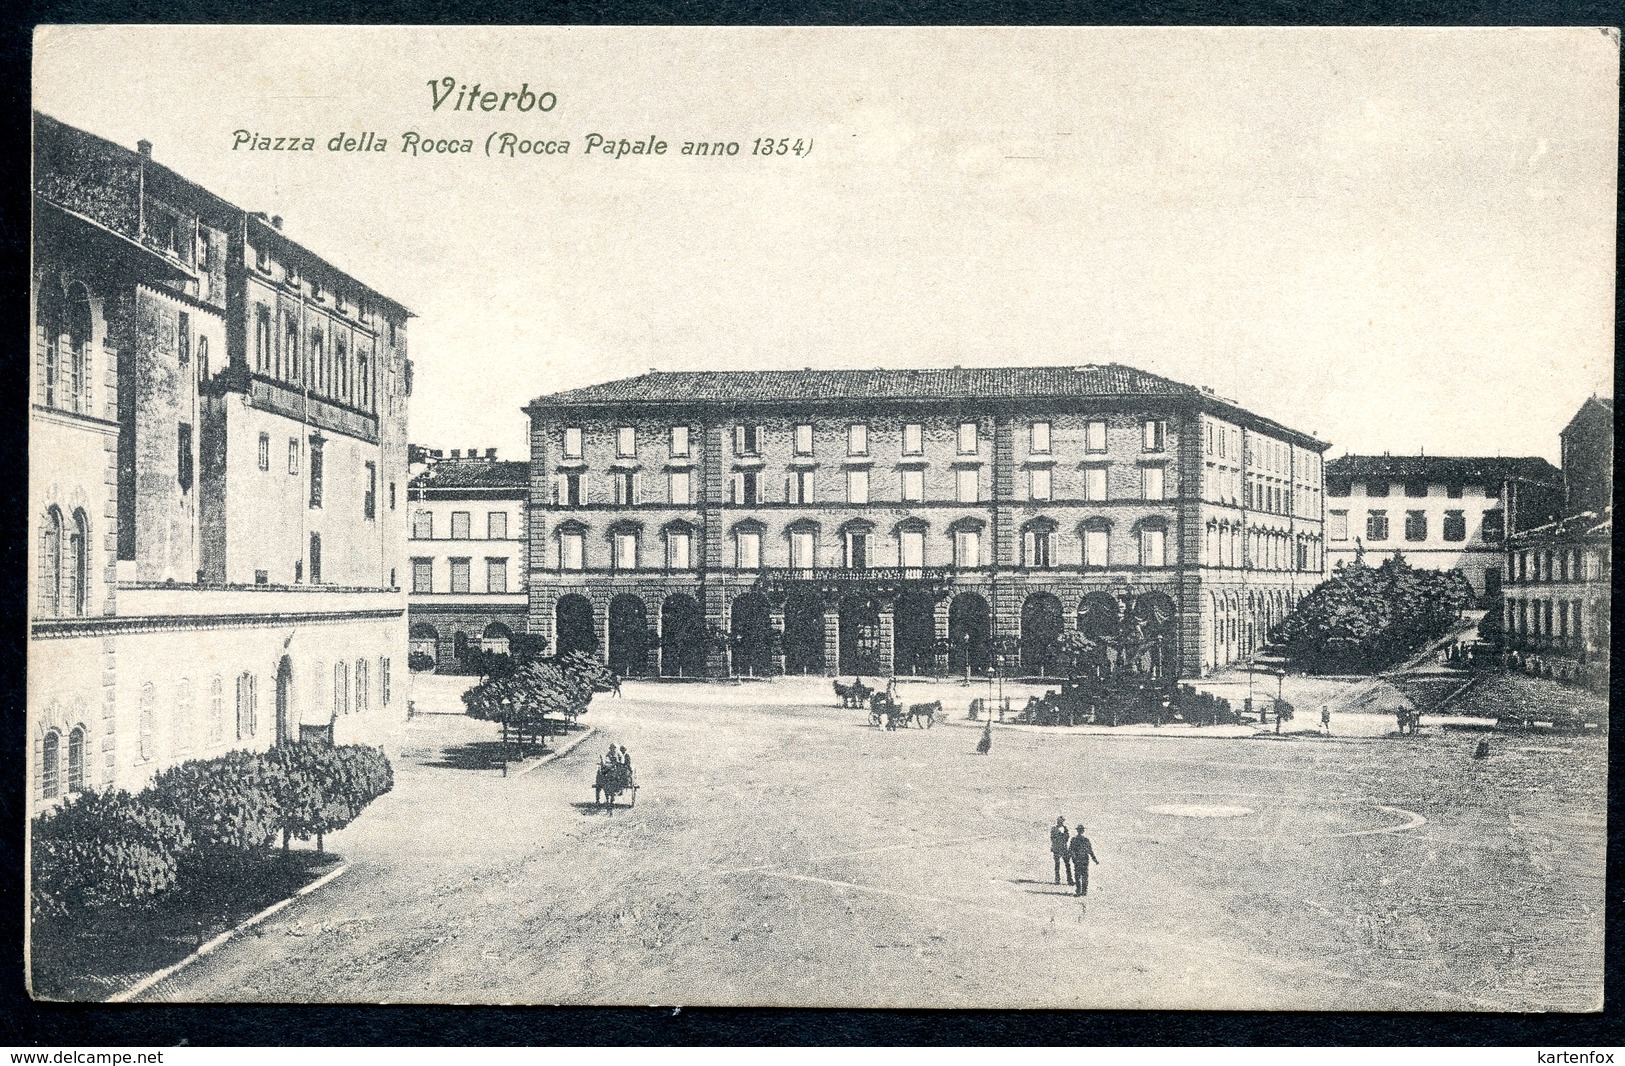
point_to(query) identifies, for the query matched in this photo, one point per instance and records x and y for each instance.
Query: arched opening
(1156, 635)
(573, 626)
(76, 565)
(76, 759)
(424, 640)
(682, 637)
(860, 637)
(284, 701)
(497, 639)
(1100, 620)
(803, 635)
(914, 634)
(751, 635)
(628, 636)
(51, 765)
(1041, 624)
(969, 631)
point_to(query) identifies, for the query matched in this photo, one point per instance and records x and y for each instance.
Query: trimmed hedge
(199, 830)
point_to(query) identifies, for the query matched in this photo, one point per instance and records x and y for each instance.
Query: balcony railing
(864, 580)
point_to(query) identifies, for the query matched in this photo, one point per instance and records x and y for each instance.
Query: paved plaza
(784, 851)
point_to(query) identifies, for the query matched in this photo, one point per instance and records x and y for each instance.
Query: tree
(1366, 618)
(104, 849)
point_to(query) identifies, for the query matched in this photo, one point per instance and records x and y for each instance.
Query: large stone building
(217, 466)
(1558, 594)
(912, 521)
(467, 548)
(1441, 512)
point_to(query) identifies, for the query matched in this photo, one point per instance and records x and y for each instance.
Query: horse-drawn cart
(613, 779)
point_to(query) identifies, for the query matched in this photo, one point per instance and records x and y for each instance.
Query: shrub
(320, 788)
(420, 661)
(230, 808)
(1366, 618)
(101, 850)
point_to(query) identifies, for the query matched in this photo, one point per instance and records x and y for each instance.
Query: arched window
(148, 726)
(341, 689)
(51, 765)
(217, 709)
(1038, 544)
(183, 717)
(76, 358)
(48, 324)
(50, 564)
(76, 759)
(247, 712)
(203, 358)
(76, 565)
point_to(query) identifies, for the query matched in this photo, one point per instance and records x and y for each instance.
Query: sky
(1397, 240)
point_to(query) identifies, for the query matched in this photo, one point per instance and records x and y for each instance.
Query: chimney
(490, 453)
(144, 146)
(276, 221)
(437, 453)
(456, 453)
(473, 453)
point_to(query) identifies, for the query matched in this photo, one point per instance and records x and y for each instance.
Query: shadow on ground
(482, 755)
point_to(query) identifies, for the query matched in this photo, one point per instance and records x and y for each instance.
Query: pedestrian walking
(1058, 840)
(1325, 719)
(1082, 853)
(984, 745)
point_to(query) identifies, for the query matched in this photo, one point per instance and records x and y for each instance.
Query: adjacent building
(913, 521)
(1558, 593)
(1441, 512)
(216, 483)
(467, 551)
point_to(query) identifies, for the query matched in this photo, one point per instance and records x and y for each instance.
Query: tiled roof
(1019, 382)
(1586, 525)
(475, 474)
(1442, 469)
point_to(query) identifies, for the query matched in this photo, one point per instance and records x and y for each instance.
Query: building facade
(1441, 512)
(214, 535)
(1558, 596)
(467, 551)
(912, 522)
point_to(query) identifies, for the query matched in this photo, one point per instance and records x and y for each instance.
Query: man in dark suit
(1057, 849)
(1082, 853)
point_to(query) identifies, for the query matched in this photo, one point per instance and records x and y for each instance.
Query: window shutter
(739, 440)
(736, 488)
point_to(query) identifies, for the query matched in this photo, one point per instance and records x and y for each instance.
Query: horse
(854, 695)
(927, 711)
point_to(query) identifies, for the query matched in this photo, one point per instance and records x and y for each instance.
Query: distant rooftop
(452, 474)
(1442, 469)
(957, 383)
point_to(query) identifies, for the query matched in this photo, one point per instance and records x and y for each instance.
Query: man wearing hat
(1082, 853)
(1057, 849)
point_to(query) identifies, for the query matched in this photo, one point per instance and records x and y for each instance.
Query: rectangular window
(1155, 433)
(913, 441)
(422, 575)
(626, 442)
(1095, 543)
(965, 480)
(572, 551)
(391, 495)
(1455, 525)
(1094, 483)
(265, 451)
(315, 472)
(369, 499)
(801, 550)
(1376, 525)
(459, 575)
(857, 439)
(857, 551)
(572, 442)
(913, 486)
(967, 549)
(459, 525)
(1376, 488)
(572, 490)
(496, 575)
(750, 487)
(1416, 525)
(383, 681)
(293, 456)
(1038, 442)
(1094, 437)
(968, 444)
(677, 484)
(1337, 525)
(857, 486)
(183, 456)
(1494, 526)
(748, 550)
(496, 525)
(1153, 547)
(747, 440)
(798, 487)
(626, 487)
(626, 551)
(262, 340)
(1207, 438)
(804, 439)
(1151, 483)
(183, 338)
(1038, 483)
(679, 442)
(911, 549)
(677, 551)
